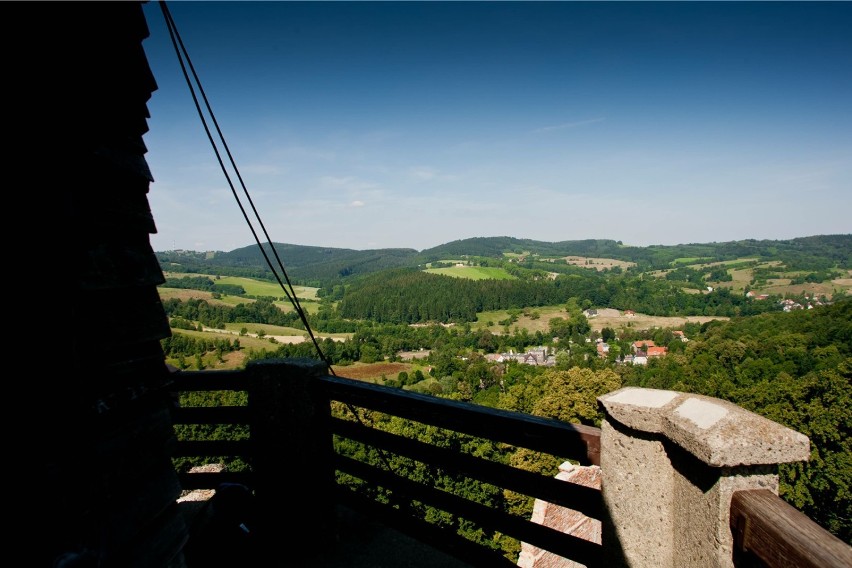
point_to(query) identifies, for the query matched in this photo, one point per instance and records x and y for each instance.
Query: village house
(657, 351)
(641, 345)
(643, 350)
(789, 305)
(538, 356)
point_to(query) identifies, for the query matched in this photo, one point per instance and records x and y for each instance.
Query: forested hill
(307, 264)
(804, 253)
(498, 246)
(322, 266)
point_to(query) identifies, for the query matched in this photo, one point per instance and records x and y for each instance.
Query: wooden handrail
(778, 535)
(573, 441)
(578, 497)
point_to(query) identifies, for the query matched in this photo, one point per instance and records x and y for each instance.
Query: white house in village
(537, 356)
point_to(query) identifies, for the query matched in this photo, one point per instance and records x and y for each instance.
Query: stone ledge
(717, 432)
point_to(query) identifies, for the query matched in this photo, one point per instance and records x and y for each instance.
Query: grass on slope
(538, 319)
(262, 288)
(253, 286)
(185, 294)
(473, 272)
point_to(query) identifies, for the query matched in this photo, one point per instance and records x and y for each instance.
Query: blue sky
(412, 124)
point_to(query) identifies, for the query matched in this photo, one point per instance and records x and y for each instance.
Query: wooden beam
(781, 536)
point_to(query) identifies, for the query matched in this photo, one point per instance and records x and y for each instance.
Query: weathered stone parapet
(671, 462)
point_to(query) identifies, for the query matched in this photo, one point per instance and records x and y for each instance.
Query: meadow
(302, 293)
(254, 287)
(538, 319)
(597, 263)
(473, 272)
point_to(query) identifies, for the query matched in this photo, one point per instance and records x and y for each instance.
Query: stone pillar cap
(718, 432)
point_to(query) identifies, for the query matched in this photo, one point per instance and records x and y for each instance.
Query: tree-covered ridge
(805, 253)
(416, 297)
(308, 265)
(497, 247)
(325, 266)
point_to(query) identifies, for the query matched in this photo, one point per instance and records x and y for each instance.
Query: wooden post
(293, 452)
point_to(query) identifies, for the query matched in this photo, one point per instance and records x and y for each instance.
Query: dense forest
(794, 367)
(415, 297)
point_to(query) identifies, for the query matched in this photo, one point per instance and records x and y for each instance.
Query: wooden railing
(266, 391)
(295, 468)
(770, 532)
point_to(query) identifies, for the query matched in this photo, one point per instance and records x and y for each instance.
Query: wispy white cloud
(422, 173)
(349, 183)
(425, 173)
(567, 125)
(302, 153)
(357, 203)
(262, 169)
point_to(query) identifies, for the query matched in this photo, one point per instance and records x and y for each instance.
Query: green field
(525, 320)
(185, 294)
(736, 263)
(234, 300)
(253, 286)
(267, 328)
(245, 342)
(231, 360)
(286, 307)
(473, 272)
(281, 330)
(262, 288)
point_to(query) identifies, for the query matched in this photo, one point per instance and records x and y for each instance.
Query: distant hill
(321, 266)
(309, 265)
(806, 253)
(498, 246)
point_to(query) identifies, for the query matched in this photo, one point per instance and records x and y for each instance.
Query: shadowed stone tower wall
(107, 487)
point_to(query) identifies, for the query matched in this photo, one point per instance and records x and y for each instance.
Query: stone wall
(670, 462)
